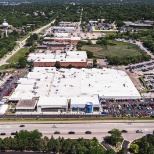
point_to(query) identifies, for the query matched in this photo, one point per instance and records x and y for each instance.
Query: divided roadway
(99, 130)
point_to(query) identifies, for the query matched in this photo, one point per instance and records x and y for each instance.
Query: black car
(71, 132)
(22, 126)
(88, 132)
(13, 133)
(124, 131)
(2, 133)
(56, 132)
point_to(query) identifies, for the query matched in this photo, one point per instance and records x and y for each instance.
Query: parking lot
(129, 108)
(141, 68)
(10, 84)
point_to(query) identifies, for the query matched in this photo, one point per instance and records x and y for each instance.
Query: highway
(99, 130)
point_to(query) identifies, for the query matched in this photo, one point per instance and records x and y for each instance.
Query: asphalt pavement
(99, 130)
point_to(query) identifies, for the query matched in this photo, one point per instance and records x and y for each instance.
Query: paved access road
(99, 130)
(22, 43)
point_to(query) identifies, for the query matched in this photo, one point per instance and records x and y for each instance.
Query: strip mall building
(74, 58)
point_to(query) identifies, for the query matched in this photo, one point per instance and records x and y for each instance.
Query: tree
(22, 62)
(115, 133)
(50, 144)
(73, 150)
(89, 42)
(35, 36)
(57, 65)
(95, 63)
(89, 54)
(115, 138)
(122, 151)
(110, 151)
(69, 66)
(134, 148)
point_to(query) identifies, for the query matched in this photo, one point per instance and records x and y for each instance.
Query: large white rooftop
(49, 82)
(75, 56)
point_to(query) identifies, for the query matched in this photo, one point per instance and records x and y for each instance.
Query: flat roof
(62, 38)
(61, 34)
(69, 56)
(52, 101)
(62, 27)
(83, 100)
(129, 23)
(50, 82)
(3, 108)
(26, 103)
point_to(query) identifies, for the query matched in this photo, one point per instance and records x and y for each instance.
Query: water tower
(5, 26)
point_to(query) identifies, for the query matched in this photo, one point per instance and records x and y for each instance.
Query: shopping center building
(71, 90)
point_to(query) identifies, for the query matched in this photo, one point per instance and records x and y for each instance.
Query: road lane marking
(62, 125)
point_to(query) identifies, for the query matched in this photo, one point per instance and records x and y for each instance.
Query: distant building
(137, 25)
(72, 40)
(148, 22)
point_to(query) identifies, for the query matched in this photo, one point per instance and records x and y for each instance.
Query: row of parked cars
(144, 67)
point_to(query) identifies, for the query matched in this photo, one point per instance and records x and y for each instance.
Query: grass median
(71, 120)
(15, 58)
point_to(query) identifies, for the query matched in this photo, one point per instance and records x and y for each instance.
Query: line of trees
(34, 141)
(127, 60)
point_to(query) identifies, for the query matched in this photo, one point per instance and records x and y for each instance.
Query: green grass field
(15, 57)
(114, 48)
(67, 120)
